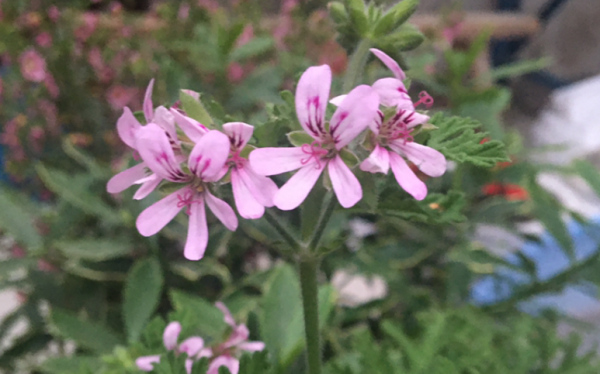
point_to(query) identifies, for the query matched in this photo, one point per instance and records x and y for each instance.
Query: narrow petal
(353, 115)
(406, 118)
(239, 334)
(147, 187)
(148, 106)
(273, 161)
(221, 210)
(427, 159)
(192, 128)
(392, 93)
(165, 119)
(192, 346)
(154, 147)
(377, 162)
(338, 100)
(145, 363)
(375, 124)
(345, 184)
(171, 335)
(159, 214)
(189, 364)
(127, 126)
(390, 63)
(197, 238)
(229, 362)
(127, 178)
(245, 202)
(239, 133)
(251, 346)
(205, 352)
(227, 316)
(262, 188)
(209, 155)
(312, 95)
(406, 178)
(295, 190)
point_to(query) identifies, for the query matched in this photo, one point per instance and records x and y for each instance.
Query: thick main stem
(308, 266)
(356, 65)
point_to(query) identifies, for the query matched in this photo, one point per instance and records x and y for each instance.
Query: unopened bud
(403, 10)
(337, 12)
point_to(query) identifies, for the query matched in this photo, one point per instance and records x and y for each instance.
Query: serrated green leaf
(253, 48)
(70, 365)
(141, 295)
(403, 10)
(94, 249)
(91, 335)
(194, 109)
(338, 13)
(17, 222)
(457, 139)
(435, 208)
(257, 363)
(299, 138)
(211, 324)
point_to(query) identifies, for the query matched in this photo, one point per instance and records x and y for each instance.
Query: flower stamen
(425, 99)
(315, 150)
(186, 200)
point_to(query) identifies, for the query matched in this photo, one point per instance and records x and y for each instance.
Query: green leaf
(12, 264)
(457, 139)
(70, 365)
(87, 334)
(406, 39)
(94, 249)
(403, 10)
(590, 173)
(194, 109)
(338, 13)
(299, 138)
(349, 157)
(435, 208)
(253, 48)
(83, 159)
(257, 363)
(143, 288)
(211, 324)
(18, 222)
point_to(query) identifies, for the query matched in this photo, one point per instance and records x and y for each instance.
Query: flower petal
(127, 126)
(189, 364)
(227, 316)
(392, 93)
(145, 363)
(312, 94)
(295, 190)
(222, 211)
(377, 162)
(338, 100)
(147, 187)
(273, 161)
(406, 118)
(192, 346)
(239, 334)
(353, 115)
(159, 214)
(390, 63)
(209, 155)
(427, 159)
(127, 178)
(239, 133)
(229, 362)
(165, 119)
(406, 178)
(155, 149)
(345, 184)
(262, 188)
(251, 346)
(148, 106)
(170, 335)
(245, 202)
(197, 238)
(192, 128)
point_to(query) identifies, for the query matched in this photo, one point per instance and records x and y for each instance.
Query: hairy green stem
(285, 233)
(356, 66)
(308, 267)
(330, 203)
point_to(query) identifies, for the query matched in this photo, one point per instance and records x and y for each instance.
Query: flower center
(236, 161)
(187, 200)
(313, 150)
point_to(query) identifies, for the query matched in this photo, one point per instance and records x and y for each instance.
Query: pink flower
(120, 96)
(49, 111)
(192, 346)
(184, 12)
(44, 39)
(36, 137)
(1, 87)
(246, 35)
(353, 115)
(235, 72)
(51, 86)
(53, 13)
(33, 65)
(87, 29)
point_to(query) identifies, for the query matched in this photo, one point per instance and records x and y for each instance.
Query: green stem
(308, 266)
(330, 203)
(356, 66)
(285, 233)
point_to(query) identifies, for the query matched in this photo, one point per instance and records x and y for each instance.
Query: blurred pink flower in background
(288, 6)
(95, 59)
(1, 87)
(33, 65)
(51, 86)
(235, 72)
(50, 113)
(246, 35)
(184, 12)
(115, 7)
(44, 39)
(90, 22)
(53, 13)
(36, 138)
(120, 96)
(450, 33)
(210, 5)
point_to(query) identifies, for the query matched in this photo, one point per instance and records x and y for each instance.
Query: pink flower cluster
(214, 157)
(223, 354)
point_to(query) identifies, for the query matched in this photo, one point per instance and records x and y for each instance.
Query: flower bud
(338, 13)
(403, 10)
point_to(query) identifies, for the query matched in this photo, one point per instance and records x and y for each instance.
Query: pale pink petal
(192, 128)
(262, 188)
(338, 100)
(427, 159)
(245, 202)
(192, 346)
(170, 335)
(157, 215)
(222, 211)
(406, 178)
(239, 133)
(376, 123)
(189, 364)
(127, 126)
(166, 121)
(145, 363)
(390, 63)
(155, 149)
(205, 352)
(126, 178)
(227, 316)
(377, 162)
(209, 155)
(312, 94)
(148, 106)
(251, 346)
(197, 238)
(295, 190)
(353, 115)
(147, 187)
(392, 92)
(239, 334)
(273, 161)
(407, 118)
(345, 184)
(229, 362)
